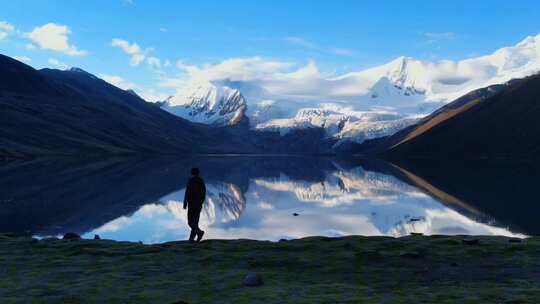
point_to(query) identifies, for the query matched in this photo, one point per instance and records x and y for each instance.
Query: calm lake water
(256, 197)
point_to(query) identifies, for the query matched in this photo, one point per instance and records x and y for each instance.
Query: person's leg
(200, 233)
(193, 224)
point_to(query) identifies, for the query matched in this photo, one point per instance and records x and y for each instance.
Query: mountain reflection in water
(254, 197)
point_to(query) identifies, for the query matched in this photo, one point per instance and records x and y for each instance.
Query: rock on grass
(253, 280)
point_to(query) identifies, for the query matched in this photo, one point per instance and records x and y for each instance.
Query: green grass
(310, 270)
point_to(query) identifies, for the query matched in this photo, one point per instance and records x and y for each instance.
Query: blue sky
(339, 36)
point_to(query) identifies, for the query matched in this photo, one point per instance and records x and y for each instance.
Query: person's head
(195, 171)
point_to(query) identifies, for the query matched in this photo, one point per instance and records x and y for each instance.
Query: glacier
(355, 106)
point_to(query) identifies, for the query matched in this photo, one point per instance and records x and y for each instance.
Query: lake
(267, 198)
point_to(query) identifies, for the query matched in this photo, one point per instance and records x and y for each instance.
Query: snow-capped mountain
(208, 103)
(359, 105)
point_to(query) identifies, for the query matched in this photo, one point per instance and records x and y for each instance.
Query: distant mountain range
(74, 113)
(356, 106)
(386, 111)
(497, 122)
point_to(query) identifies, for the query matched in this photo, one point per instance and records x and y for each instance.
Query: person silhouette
(193, 201)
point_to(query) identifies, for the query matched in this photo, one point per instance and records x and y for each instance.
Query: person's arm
(186, 195)
(203, 192)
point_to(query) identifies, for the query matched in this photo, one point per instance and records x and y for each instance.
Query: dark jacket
(195, 192)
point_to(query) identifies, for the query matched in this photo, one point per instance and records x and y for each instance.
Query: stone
(253, 280)
(295, 214)
(97, 237)
(71, 236)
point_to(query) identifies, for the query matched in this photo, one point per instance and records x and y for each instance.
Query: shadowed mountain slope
(53, 112)
(499, 121)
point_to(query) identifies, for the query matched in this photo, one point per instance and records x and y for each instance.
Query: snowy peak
(354, 105)
(408, 74)
(402, 76)
(208, 103)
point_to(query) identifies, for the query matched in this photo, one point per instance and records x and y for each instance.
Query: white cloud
(5, 28)
(154, 62)
(30, 46)
(55, 63)
(118, 81)
(124, 84)
(316, 47)
(134, 50)
(153, 95)
(54, 37)
(163, 30)
(278, 78)
(172, 82)
(246, 68)
(23, 59)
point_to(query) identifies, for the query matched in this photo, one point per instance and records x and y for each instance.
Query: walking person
(193, 201)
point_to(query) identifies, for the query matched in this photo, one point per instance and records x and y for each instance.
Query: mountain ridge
(497, 122)
(406, 87)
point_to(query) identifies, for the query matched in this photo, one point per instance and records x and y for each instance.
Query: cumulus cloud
(278, 78)
(23, 59)
(5, 28)
(55, 63)
(118, 81)
(152, 95)
(246, 68)
(154, 62)
(133, 49)
(54, 37)
(260, 78)
(124, 84)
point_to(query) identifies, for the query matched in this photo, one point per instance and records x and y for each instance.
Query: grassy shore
(414, 269)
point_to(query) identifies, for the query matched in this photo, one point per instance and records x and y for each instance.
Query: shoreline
(352, 269)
